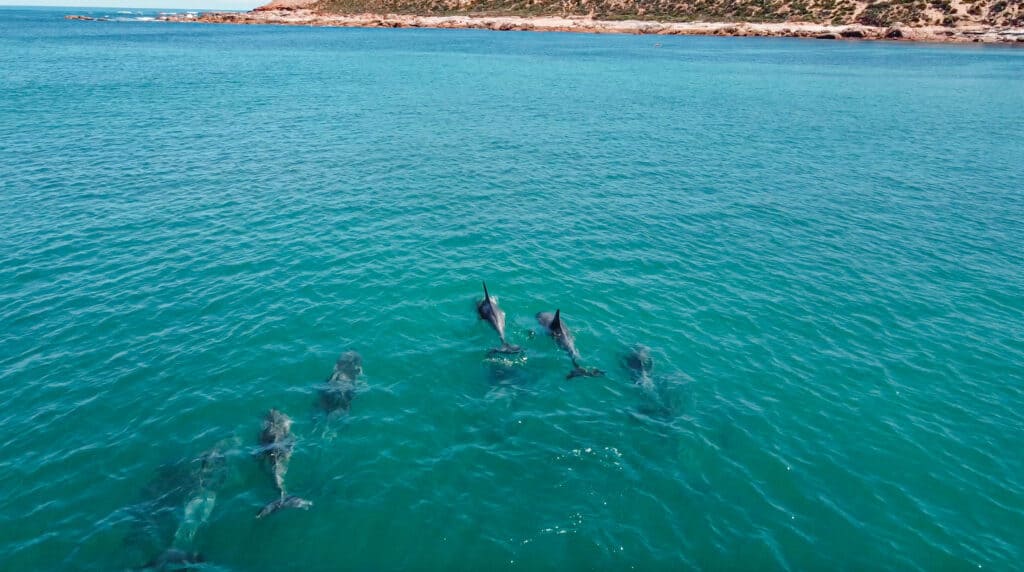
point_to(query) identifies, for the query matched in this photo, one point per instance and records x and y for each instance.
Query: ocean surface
(821, 243)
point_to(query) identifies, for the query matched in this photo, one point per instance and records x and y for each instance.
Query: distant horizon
(140, 4)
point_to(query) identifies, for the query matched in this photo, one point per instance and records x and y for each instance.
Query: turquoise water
(820, 242)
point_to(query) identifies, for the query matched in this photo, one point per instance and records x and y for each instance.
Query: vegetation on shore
(839, 12)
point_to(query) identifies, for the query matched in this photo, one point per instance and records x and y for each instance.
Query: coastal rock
(285, 5)
(318, 17)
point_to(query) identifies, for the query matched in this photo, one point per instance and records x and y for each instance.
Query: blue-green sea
(821, 243)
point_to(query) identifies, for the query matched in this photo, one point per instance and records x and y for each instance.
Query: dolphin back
(556, 322)
(639, 361)
(276, 427)
(552, 322)
(348, 367)
(545, 319)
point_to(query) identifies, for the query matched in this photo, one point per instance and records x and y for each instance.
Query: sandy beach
(271, 14)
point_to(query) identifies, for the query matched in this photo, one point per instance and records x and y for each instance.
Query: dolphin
(563, 337)
(290, 501)
(488, 310)
(276, 445)
(174, 559)
(660, 399)
(640, 364)
(207, 476)
(184, 495)
(340, 389)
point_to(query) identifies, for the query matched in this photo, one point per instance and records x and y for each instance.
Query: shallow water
(820, 242)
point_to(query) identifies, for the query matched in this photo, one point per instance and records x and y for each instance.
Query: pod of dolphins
(552, 324)
(276, 441)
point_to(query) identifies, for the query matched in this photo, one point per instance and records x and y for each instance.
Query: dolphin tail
(506, 348)
(578, 371)
(284, 502)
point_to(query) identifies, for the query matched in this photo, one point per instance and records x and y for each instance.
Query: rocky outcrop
(310, 17)
(286, 5)
(876, 13)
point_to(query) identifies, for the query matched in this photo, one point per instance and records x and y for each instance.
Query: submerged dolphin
(495, 316)
(661, 395)
(640, 364)
(277, 443)
(563, 337)
(207, 476)
(340, 390)
(185, 493)
(174, 559)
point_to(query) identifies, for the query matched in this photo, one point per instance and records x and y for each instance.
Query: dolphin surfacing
(276, 446)
(661, 400)
(337, 394)
(488, 310)
(563, 337)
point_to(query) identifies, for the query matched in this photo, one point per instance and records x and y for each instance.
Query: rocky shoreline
(307, 17)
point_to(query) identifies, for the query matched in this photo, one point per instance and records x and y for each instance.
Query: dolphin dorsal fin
(556, 324)
(487, 296)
